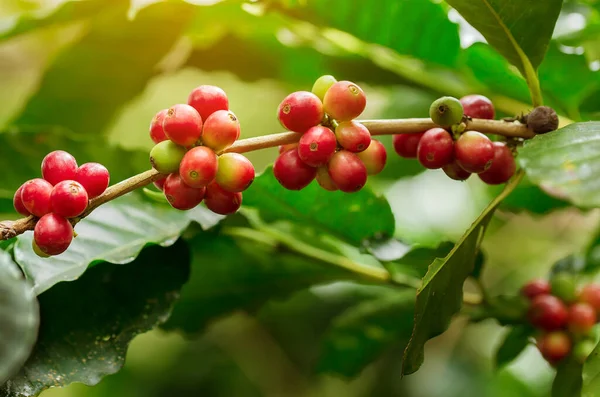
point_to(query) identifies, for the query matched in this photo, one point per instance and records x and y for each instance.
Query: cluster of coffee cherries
(564, 314)
(61, 194)
(459, 153)
(333, 148)
(189, 140)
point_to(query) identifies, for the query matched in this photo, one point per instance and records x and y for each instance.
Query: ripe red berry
(317, 145)
(406, 144)
(221, 129)
(478, 107)
(180, 195)
(183, 125)
(289, 146)
(591, 294)
(456, 172)
(53, 234)
(160, 183)
(344, 101)
(554, 346)
(353, 136)
(474, 152)
(18, 202)
(347, 171)
(58, 166)
(199, 166)
(548, 313)
(503, 166)
(235, 172)
(36, 196)
(324, 180)
(94, 177)
(299, 111)
(582, 317)
(536, 288)
(157, 133)
(207, 99)
(436, 148)
(69, 199)
(291, 172)
(374, 157)
(220, 201)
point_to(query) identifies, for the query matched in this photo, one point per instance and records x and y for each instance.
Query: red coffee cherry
(456, 172)
(474, 152)
(536, 288)
(182, 125)
(548, 313)
(554, 346)
(478, 107)
(289, 146)
(199, 166)
(157, 133)
(35, 196)
(317, 145)
(18, 202)
(291, 172)
(68, 199)
(94, 177)
(221, 129)
(436, 148)
(160, 183)
(207, 99)
(353, 136)
(324, 180)
(299, 111)
(582, 317)
(344, 101)
(220, 201)
(591, 294)
(58, 166)
(374, 157)
(53, 234)
(180, 195)
(347, 171)
(406, 144)
(235, 172)
(503, 166)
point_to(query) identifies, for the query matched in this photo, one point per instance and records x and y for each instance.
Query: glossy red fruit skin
(535, 288)
(406, 144)
(353, 136)
(68, 199)
(344, 101)
(374, 157)
(436, 148)
(220, 201)
(183, 125)
(299, 111)
(235, 172)
(456, 172)
(180, 195)
(35, 196)
(582, 317)
(474, 152)
(554, 346)
(347, 171)
(199, 166)
(221, 129)
(157, 133)
(317, 145)
(53, 234)
(18, 202)
(94, 177)
(478, 107)
(289, 146)
(324, 180)
(291, 172)
(207, 99)
(547, 312)
(160, 183)
(591, 294)
(58, 166)
(503, 166)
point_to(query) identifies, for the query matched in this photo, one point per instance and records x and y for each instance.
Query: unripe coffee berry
(207, 99)
(563, 286)
(536, 288)
(548, 313)
(69, 199)
(322, 84)
(474, 152)
(299, 111)
(157, 133)
(446, 111)
(353, 136)
(199, 166)
(436, 148)
(582, 317)
(554, 346)
(406, 144)
(53, 234)
(94, 177)
(220, 201)
(58, 166)
(221, 129)
(180, 195)
(591, 294)
(542, 119)
(291, 172)
(347, 171)
(478, 107)
(183, 125)
(503, 166)
(166, 156)
(583, 349)
(456, 172)
(374, 158)
(324, 180)
(37, 250)
(344, 101)
(35, 196)
(18, 202)
(317, 145)
(235, 172)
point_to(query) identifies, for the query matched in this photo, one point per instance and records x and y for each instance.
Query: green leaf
(360, 334)
(353, 218)
(115, 232)
(440, 296)
(88, 324)
(515, 341)
(591, 374)
(19, 316)
(568, 381)
(566, 162)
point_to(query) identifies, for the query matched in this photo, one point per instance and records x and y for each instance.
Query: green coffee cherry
(583, 349)
(563, 286)
(165, 157)
(38, 250)
(322, 84)
(446, 111)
